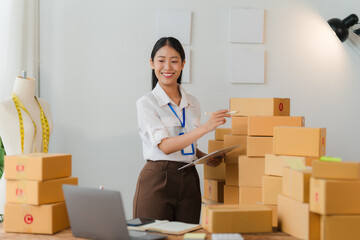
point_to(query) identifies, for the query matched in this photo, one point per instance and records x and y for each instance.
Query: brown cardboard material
(274, 164)
(37, 192)
(336, 170)
(250, 171)
(231, 195)
(260, 106)
(232, 140)
(215, 145)
(274, 214)
(296, 220)
(299, 141)
(214, 190)
(232, 174)
(239, 125)
(296, 184)
(238, 219)
(272, 187)
(221, 132)
(43, 219)
(259, 146)
(264, 125)
(332, 197)
(217, 172)
(250, 195)
(37, 166)
(340, 227)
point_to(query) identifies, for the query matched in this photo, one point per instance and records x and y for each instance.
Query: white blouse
(157, 121)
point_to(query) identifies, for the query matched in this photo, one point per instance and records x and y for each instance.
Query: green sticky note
(194, 236)
(330, 159)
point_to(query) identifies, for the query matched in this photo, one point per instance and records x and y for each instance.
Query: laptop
(99, 214)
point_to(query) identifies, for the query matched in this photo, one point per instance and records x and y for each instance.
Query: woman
(169, 126)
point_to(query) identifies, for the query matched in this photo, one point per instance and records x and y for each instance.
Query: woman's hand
(214, 162)
(216, 119)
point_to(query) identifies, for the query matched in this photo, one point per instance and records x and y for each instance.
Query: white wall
(95, 64)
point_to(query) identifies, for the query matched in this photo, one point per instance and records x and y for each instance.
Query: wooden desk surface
(67, 234)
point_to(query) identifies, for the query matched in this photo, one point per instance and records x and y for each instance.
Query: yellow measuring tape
(44, 123)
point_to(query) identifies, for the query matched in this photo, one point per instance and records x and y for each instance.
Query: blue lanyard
(183, 122)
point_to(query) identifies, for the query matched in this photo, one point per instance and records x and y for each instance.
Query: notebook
(99, 214)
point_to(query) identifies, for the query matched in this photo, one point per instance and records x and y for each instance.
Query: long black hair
(171, 42)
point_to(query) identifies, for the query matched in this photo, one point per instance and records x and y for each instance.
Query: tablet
(205, 158)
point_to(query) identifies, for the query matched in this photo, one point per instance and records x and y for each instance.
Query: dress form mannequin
(24, 88)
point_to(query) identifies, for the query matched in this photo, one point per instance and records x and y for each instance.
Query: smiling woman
(169, 126)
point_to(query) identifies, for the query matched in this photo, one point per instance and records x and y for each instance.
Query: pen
(231, 112)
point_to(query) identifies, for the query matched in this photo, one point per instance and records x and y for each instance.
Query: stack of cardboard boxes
(304, 145)
(35, 200)
(335, 195)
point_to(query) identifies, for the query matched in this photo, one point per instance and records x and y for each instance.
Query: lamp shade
(340, 27)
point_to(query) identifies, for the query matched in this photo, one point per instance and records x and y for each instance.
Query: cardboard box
(264, 125)
(204, 211)
(232, 174)
(214, 190)
(43, 219)
(274, 214)
(334, 196)
(250, 171)
(37, 166)
(37, 192)
(336, 170)
(260, 106)
(300, 141)
(221, 132)
(340, 227)
(274, 164)
(271, 188)
(296, 184)
(259, 146)
(231, 194)
(232, 140)
(296, 220)
(239, 125)
(215, 145)
(237, 219)
(250, 195)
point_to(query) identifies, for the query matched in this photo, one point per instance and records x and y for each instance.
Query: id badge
(189, 150)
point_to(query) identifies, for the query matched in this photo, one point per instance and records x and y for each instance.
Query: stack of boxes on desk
(35, 200)
(335, 195)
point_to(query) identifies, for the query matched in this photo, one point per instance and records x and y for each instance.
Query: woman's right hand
(216, 119)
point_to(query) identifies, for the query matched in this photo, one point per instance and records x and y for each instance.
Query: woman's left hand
(215, 161)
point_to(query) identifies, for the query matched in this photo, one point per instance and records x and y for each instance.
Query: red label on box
(20, 168)
(281, 107)
(316, 196)
(19, 192)
(28, 219)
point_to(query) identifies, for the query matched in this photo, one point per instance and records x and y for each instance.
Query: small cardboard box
(271, 188)
(336, 170)
(260, 106)
(250, 195)
(214, 190)
(259, 146)
(337, 227)
(299, 141)
(264, 125)
(274, 214)
(221, 132)
(250, 171)
(334, 196)
(274, 164)
(239, 125)
(231, 194)
(215, 145)
(296, 184)
(237, 219)
(43, 219)
(232, 174)
(296, 220)
(232, 140)
(37, 166)
(37, 192)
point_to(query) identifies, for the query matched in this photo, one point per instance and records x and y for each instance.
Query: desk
(66, 234)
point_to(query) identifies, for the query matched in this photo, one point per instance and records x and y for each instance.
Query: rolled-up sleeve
(150, 125)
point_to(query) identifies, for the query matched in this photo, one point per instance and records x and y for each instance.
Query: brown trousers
(164, 193)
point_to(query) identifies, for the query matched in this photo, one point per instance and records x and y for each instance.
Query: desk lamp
(340, 27)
